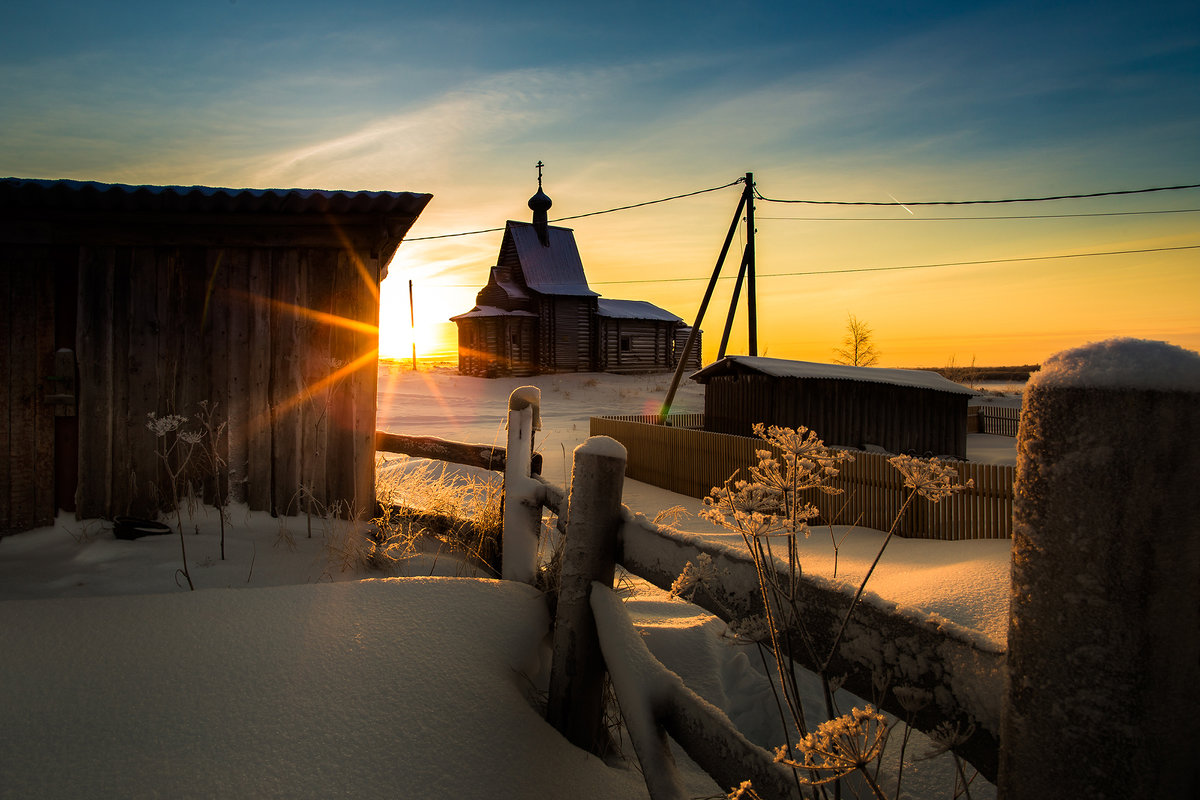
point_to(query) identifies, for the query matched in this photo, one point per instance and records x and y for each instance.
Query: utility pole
(747, 196)
(752, 293)
(412, 316)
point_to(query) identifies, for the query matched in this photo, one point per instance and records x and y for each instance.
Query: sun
(432, 331)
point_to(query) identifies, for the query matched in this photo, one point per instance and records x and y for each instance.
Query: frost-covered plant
(695, 574)
(772, 505)
(213, 461)
(174, 447)
(427, 499)
(946, 737)
(838, 747)
(771, 500)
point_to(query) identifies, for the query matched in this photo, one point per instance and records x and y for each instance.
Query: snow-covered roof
(634, 309)
(783, 368)
(491, 311)
(556, 269)
(509, 287)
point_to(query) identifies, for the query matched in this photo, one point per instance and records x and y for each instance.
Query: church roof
(556, 269)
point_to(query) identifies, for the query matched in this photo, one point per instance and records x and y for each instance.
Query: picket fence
(683, 459)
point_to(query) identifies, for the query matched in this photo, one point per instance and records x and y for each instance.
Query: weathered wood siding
(261, 303)
(650, 345)
(27, 325)
(282, 341)
(492, 347)
(694, 358)
(566, 333)
(856, 413)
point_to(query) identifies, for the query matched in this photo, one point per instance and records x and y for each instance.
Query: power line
(588, 214)
(1012, 216)
(980, 202)
(919, 266)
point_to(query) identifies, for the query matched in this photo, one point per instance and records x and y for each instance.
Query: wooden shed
(121, 301)
(900, 410)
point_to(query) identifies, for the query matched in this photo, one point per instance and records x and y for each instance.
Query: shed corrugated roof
(556, 269)
(783, 368)
(634, 309)
(70, 194)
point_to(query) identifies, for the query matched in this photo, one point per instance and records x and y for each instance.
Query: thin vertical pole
(751, 292)
(695, 332)
(412, 315)
(733, 301)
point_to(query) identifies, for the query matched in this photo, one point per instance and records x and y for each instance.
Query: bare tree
(857, 349)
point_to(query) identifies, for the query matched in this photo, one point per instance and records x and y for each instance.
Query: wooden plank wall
(486, 347)
(27, 324)
(567, 333)
(692, 462)
(247, 329)
(854, 413)
(650, 350)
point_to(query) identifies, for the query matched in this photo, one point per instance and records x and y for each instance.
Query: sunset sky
(629, 102)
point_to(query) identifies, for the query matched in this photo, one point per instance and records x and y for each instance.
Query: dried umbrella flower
(929, 477)
(839, 746)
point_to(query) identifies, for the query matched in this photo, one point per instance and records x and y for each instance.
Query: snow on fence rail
(964, 672)
(683, 459)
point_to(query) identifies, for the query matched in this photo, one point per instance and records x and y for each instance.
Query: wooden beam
(484, 456)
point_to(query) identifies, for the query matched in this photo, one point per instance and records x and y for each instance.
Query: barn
(537, 314)
(899, 410)
(121, 301)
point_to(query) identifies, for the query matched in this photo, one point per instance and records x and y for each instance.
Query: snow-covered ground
(966, 582)
(290, 673)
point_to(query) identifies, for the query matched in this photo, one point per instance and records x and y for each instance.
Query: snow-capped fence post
(1104, 636)
(522, 508)
(576, 703)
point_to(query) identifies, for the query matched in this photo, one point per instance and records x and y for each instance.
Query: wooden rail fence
(965, 675)
(999, 420)
(689, 461)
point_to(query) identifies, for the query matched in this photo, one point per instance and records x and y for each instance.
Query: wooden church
(537, 313)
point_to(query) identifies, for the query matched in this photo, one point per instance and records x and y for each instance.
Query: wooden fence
(684, 460)
(964, 674)
(999, 420)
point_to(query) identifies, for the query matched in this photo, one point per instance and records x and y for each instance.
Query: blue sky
(627, 102)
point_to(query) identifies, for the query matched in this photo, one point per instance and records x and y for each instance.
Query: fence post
(522, 510)
(1104, 635)
(576, 703)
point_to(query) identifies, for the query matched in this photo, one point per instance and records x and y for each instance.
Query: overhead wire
(897, 203)
(999, 216)
(919, 266)
(588, 214)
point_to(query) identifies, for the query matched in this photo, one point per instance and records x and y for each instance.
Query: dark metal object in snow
(134, 528)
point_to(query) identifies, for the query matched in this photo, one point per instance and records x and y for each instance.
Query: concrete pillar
(1104, 638)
